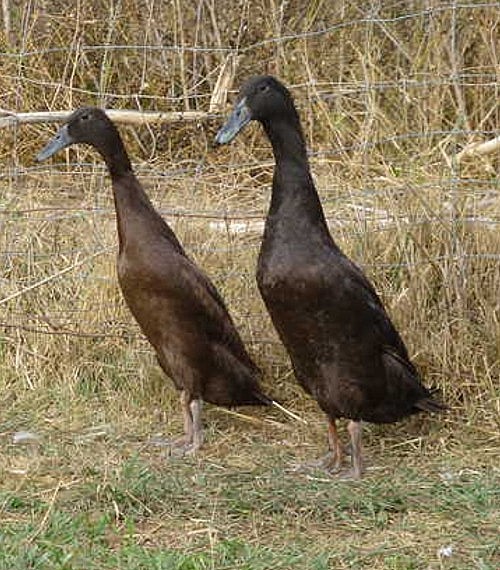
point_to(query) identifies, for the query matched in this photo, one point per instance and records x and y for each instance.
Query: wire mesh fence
(389, 93)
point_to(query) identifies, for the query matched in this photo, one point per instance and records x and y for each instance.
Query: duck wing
(405, 391)
(366, 302)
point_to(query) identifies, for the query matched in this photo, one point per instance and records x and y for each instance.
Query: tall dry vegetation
(388, 92)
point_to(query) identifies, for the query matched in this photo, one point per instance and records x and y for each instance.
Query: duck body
(344, 349)
(175, 304)
(177, 308)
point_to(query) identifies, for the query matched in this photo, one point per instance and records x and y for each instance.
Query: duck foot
(189, 448)
(329, 463)
(192, 440)
(350, 474)
(177, 447)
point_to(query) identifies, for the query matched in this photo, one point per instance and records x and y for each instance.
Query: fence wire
(54, 215)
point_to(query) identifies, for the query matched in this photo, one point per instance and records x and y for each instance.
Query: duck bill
(240, 116)
(61, 140)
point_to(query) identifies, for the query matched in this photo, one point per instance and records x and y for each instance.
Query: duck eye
(263, 88)
(85, 117)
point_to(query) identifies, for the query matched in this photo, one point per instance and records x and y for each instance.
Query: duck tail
(263, 399)
(429, 404)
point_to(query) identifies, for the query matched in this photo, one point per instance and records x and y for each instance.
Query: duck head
(85, 125)
(262, 98)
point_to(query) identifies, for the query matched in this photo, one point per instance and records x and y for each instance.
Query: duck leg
(188, 418)
(355, 431)
(333, 459)
(184, 441)
(195, 407)
(192, 440)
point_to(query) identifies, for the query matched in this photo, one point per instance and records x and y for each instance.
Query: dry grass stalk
(224, 81)
(479, 149)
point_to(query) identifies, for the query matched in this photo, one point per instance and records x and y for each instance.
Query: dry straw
(398, 103)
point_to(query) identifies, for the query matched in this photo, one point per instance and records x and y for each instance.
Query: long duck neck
(293, 187)
(112, 149)
(132, 204)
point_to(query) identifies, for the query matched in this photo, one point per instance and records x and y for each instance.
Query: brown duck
(344, 349)
(177, 307)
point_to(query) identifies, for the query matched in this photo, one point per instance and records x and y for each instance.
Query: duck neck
(138, 222)
(112, 149)
(294, 195)
(131, 201)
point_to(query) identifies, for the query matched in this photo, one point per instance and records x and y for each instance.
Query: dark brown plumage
(177, 307)
(344, 349)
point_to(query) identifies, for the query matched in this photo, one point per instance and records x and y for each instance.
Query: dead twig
(122, 116)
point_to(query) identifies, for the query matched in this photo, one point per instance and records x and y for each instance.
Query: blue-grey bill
(61, 140)
(240, 116)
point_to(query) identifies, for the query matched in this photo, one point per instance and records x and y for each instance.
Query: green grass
(98, 496)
